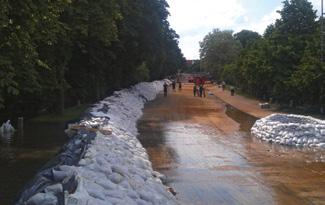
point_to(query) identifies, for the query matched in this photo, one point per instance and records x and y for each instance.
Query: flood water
(207, 166)
(24, 153)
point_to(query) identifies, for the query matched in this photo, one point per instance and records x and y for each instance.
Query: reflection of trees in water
(245, 120)
(23, 153)
(152, 135)
(6, 138)
(7, 155)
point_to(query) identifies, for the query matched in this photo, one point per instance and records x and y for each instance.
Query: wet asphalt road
(208, 156)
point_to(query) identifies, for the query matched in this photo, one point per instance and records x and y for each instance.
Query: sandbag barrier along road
(104, 163)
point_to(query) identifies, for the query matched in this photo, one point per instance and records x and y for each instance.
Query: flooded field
(204, 148)
(24, 153)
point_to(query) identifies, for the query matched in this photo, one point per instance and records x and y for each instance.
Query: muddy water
(23, 154)
(207, 165)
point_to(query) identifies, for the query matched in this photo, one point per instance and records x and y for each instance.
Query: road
(205, 150)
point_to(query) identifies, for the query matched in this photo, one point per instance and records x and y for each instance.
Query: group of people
(173, 86)
(199, 90)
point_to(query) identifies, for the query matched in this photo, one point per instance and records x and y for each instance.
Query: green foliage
(67, 51)
(297, 18)
(283, 65)
(217, 49)
(142, 73)
(247, 37)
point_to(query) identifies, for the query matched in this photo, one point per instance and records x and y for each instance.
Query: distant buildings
(192, 62)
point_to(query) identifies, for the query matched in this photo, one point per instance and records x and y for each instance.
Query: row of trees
(58, 53)
(284, 64)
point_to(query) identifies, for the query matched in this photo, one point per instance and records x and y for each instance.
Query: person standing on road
(179, 85)
(223, 85)
(194, 90)
(201, 89)
(165, 89)
(232, 90)
(174, 85)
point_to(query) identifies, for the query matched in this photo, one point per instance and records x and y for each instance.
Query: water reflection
(162, 156)
(207, 166)
(6, 138)
(205, 169)
(246, 121)
(24, 153)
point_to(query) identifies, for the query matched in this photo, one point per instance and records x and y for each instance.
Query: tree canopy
(60, 53)
(247, 37)
(284, 64)
(217, 49)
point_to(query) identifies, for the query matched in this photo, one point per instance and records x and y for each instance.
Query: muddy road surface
(204, 148)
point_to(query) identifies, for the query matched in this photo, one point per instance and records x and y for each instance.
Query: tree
(297, 18)
(247, 37)
(285, 63)
(55, 54)
(217, 49)
(309, 79)
(289, 39)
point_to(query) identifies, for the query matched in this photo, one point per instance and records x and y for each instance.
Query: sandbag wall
(107, 165)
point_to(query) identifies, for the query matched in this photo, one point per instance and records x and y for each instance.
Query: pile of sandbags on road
(292, 130)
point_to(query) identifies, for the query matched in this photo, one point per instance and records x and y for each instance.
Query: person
(165, 89)
(232, 91)
(223, 85)
(174, 85)
(194, 89)
(179, 85)
(201, 90)
(197, 81)
(198, 90)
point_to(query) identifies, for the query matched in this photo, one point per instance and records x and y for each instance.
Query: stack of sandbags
(292, 130)
(107, 165)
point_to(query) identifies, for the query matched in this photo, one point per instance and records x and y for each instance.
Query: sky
(193, 19)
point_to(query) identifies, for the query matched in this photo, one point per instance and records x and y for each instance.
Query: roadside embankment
(109, 164)
(249, 106)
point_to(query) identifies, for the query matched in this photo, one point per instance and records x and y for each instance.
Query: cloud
(270, 18)
(317, 6)
(193, 19)
(190, 45)
(260, 25)
(204, 13)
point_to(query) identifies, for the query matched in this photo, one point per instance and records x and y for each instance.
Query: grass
(72, 113)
